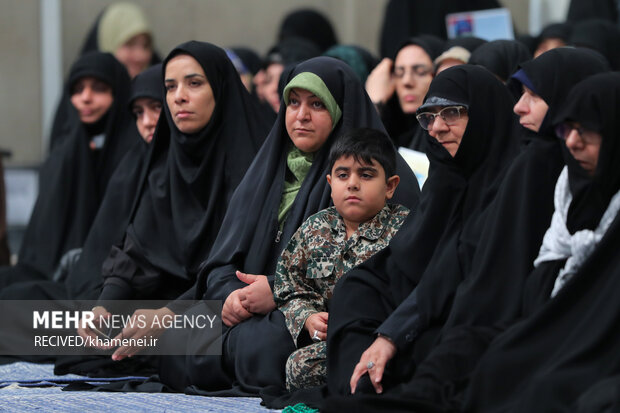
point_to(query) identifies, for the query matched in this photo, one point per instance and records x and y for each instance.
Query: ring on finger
(370, 365)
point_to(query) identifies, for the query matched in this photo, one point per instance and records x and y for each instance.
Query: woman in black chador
(76, 174)
(206, 138)
(433, 249)
(569, 340)
(284, 186)
(490, 296)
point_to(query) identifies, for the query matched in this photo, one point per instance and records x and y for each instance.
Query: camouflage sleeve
(295, 298)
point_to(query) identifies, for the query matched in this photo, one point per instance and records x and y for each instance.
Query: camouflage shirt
(319, 254)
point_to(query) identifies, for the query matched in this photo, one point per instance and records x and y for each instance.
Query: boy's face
(360, 190)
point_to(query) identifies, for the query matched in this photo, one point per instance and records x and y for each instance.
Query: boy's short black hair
(365, 144)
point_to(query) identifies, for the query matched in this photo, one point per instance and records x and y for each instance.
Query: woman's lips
(183, 114)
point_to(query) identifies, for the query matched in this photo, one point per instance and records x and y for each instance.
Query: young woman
(284, 186)
(76, 174)
(205, 141)
(397, 87)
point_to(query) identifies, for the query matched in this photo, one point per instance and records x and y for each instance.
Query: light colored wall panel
(20, 83)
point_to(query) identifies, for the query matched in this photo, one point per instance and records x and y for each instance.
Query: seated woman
(470, 150)
(568, 340)
(284, 186)
(203, 145)
(397, 87)
(490, 295)
(79, 272)
(77, 172)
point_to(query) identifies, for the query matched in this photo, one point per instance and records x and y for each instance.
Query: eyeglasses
(564, 129)
(449, 114)
(418, 70)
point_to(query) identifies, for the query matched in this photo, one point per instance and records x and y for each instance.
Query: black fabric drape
(436, 244)
(568, 342)
(600, 35)
(249, 241)
(189, 184)
(404, 18)
(500, 57)
(580, 10)
(311, 25)
(73, 179)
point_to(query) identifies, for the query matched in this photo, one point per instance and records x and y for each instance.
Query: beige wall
(252, 23)
(20, 83)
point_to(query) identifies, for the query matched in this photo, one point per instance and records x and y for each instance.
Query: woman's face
(413, 73)
(308, 122)
(448, 135)
(584, 145)
(92, 98)
(146, 111)
(548, 44)
(270, 85)
(531, 109)
(136, 54)
(188, 94)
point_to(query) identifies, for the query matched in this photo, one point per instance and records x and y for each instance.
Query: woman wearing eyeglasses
(569, 340)
(386, 312)
(397, 88)
(490, 297)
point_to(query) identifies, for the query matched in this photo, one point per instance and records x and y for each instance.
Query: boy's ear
(329, 179)
(392, 183)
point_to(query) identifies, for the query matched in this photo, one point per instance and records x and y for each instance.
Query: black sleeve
(403, 325)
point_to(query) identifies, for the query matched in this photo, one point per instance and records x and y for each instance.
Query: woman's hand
(317, 322)
(89, 335)
(379, 84)
(233, 312)
(258, 297)
(141, 326)
(379, 353)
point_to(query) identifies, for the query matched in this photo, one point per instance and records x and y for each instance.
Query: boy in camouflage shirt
(331, 242)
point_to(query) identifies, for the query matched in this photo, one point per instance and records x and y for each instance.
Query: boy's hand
(233, 312)
(317, 322)
(379, 353)
(257, 296)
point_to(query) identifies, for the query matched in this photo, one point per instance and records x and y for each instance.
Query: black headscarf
(191, 178)
(560, 31)
(469, 43)
(74, 178)
(500, 57)
(248, 238)
(580, 10)
(404, 128)
(404, 18)
(552, 83)
(569, 342)
(84, 279)
(311, 25)
(600, 35)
